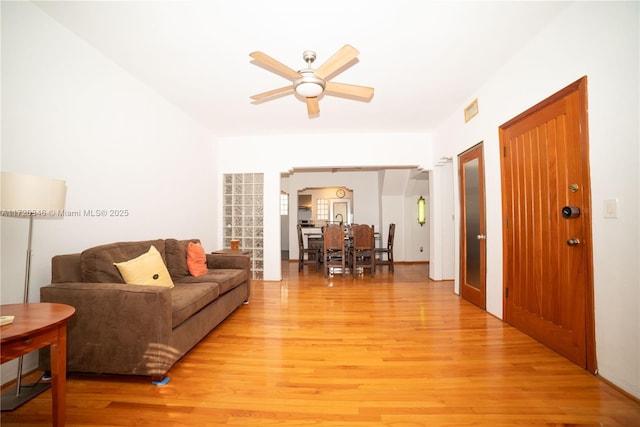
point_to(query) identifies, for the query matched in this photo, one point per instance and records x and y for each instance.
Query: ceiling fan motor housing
(309, 56)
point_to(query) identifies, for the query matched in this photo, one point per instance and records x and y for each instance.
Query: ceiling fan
(309, 83)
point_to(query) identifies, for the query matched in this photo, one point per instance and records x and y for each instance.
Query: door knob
(482, 237)
(574, 241)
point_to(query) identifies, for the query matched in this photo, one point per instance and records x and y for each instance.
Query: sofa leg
(160, 380)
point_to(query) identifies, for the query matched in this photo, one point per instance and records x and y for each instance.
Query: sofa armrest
(233, 261)
(117, 328)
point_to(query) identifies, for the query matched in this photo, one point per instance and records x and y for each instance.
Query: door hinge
(506, 292)
(506, 221)
(504, 151)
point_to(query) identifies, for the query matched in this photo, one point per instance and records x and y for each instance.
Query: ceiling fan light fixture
(308, 85)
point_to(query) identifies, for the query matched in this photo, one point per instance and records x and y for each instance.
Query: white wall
(69, 113)
(443, 261)
(599, 40)
(249, 154)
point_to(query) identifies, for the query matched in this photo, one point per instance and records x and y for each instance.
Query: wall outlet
(421, 249)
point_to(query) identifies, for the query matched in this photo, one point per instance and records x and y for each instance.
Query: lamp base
(10, 400)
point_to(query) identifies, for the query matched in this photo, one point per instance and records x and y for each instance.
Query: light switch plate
(611, 208)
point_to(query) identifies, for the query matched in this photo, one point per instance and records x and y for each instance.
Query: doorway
(546, 208)
(472, 233)
(340, 211)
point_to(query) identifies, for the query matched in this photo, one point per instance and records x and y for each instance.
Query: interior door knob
(482, 237)
(574, 241)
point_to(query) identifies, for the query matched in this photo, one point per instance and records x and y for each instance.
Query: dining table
(315, 241)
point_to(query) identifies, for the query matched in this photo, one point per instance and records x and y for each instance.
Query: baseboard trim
(624, 392)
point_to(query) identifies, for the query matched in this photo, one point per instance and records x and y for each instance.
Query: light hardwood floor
(394, 350)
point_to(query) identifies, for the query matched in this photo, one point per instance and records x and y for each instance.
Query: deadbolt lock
(570, 212)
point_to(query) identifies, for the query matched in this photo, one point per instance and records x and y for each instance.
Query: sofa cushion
(188, 299)
(176, 256)
(196, 259)
(147, 269)
(226, 278)
(97, 262)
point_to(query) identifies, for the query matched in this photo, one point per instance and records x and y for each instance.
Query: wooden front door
(472, 233)
(548, 279)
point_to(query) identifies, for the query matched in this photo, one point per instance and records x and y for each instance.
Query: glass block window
(284, 204)
(242, 216)
(322, 209)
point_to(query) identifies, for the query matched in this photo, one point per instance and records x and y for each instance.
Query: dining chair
(333, 248)
(384, 256)
(312, 255)
(362, 250)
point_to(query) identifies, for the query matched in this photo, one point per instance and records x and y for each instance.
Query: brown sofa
(135, 329)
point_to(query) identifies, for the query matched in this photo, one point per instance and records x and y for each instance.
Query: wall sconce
(422, 215)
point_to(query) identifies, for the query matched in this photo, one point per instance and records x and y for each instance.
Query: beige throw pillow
(147, 269)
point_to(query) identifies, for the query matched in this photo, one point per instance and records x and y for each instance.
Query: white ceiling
(425, 59)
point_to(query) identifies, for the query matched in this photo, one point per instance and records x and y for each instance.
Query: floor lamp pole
(27, 273)
(10, 403)
(27, 268)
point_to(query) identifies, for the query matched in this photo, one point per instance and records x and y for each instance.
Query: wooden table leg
(59, 375)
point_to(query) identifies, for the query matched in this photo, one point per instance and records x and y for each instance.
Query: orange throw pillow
(196, 259)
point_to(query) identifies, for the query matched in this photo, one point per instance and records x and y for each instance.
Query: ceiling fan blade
(338, 60)
(313, 108)
(361, 93)
(275, 66)
(268, 94)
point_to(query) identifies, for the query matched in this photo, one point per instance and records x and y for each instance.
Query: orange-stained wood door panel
(548, 289)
